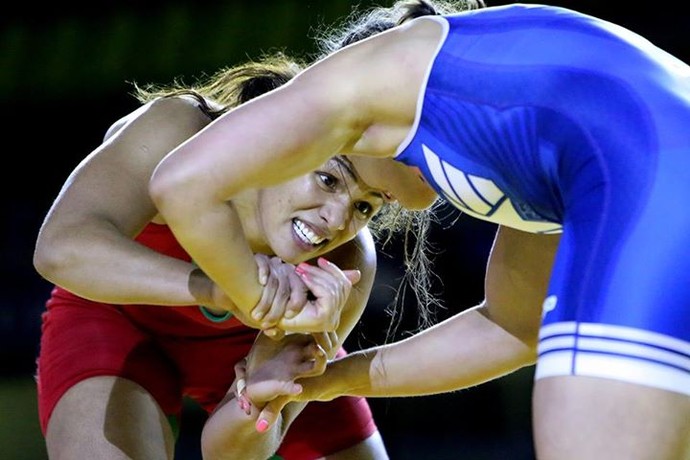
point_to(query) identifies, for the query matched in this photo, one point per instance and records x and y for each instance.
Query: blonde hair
(230, 86)
(414, 225)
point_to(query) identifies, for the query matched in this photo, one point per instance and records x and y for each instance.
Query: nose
(337, 213)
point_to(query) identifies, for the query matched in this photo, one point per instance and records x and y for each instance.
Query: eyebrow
(350, 168)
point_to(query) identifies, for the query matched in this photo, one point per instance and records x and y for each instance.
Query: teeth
(306, 234)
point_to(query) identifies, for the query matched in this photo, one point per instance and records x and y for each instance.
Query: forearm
(211, 233)
(461, 352)
(108, 267)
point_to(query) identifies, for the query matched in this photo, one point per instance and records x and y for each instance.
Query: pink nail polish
(261, 425)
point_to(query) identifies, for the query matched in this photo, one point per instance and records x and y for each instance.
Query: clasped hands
(305, 298)
(265, 381)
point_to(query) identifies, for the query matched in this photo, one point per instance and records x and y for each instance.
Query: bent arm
(212, 168)
(86, 242)
(472, 347)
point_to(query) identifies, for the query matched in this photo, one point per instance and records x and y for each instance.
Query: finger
(323, 340)
(274, 333)
(353, 275)
(298, 294)
(329, 267)
(269, 414)
(240, 368)
(278, 305)
(335, 343)
(240, 386)
(317, 364)
(266, 301)
(285, 277)
(241, 396)
(264, 269)
(315, 279)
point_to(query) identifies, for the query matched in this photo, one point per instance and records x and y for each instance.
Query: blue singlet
(548, 121)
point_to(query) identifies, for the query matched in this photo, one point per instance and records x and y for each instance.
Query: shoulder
(183, 113)
(378, 76)
(180, 111)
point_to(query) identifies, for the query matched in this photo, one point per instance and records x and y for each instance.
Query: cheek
(273, 201)
(351, 231)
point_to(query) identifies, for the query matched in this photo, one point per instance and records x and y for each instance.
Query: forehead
(342, 164)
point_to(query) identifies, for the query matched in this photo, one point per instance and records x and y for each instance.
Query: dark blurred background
(65, 74)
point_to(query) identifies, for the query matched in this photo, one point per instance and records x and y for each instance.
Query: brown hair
(230, 86)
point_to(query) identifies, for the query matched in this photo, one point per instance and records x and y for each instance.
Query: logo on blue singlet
(482, 198)
(548, 305)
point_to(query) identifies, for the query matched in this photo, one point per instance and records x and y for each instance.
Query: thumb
(353, 275)
(269, 414)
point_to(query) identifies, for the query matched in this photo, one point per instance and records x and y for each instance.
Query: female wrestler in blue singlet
(569, 132)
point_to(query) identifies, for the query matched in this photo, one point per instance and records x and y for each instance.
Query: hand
(284, 294)
(330, 288)
(270, 412)
(272, 366)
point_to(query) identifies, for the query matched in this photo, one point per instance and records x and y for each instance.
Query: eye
(329, 180)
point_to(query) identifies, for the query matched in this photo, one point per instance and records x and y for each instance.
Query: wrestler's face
(315, 213)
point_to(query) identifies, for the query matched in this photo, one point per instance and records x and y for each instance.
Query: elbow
(179, 193)
(162, 186)
(525, 334)
(49, 261)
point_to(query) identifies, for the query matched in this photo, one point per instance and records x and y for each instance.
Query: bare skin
(117, 420)
(80, 220)
(361, 100)
(86, 245)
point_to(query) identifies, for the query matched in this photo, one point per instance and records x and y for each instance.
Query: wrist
(348, 376)
(200, 288)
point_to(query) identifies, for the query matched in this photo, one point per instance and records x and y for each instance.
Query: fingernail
(325, 261)
(261, 425)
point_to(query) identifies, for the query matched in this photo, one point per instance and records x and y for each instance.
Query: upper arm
(111, 183)
(106, 195)
(517, 277)
(285, 133)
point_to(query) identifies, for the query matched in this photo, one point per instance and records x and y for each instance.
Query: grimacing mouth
(307, 235)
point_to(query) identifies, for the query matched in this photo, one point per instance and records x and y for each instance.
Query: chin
(419, 201)
(294, 256)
